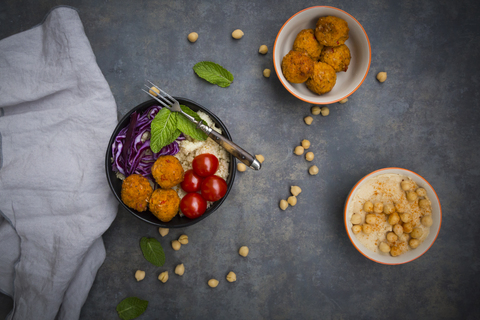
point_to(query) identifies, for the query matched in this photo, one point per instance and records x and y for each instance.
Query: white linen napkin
(56, 117)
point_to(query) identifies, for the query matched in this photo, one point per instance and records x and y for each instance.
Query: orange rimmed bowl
(412, 254)
(358, 43)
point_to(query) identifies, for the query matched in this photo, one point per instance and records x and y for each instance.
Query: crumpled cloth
(56, 117)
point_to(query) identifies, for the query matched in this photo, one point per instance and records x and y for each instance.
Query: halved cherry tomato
(191, 181)
(205, 164)
(193, 205)
(213, 188)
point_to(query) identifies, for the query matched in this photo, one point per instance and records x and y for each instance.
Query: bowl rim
(213, 207)
(349, 198)
(305, 99)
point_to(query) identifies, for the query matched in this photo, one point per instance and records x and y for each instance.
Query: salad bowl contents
(159, 177)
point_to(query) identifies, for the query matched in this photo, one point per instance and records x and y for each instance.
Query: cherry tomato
(193, 205)
(213, 188)
(205, 164)
(191, 181)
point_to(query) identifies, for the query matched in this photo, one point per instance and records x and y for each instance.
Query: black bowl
(147, 216)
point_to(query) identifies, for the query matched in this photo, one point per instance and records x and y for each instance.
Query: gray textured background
(301, 263)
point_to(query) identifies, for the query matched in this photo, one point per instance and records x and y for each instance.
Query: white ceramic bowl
(358, 43)
(413, 253)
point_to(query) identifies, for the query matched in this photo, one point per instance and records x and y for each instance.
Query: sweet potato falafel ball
(331, 31)
(297, 66)
(338, 57)
(164, 204)
(167, 171)
(305, 41)
(136, 192)
(323, 79)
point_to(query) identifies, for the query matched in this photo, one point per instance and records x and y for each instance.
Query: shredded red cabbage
(140, 156)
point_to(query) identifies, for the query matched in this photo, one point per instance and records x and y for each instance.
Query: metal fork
(173, 105)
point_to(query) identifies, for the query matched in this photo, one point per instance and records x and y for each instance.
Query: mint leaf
(163, 129)
(213, 73)
(131, 307)
(152, 251)
(188, 127)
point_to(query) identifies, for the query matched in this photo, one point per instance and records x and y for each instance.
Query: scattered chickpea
(325, 111)
(404, 237)
(315, 110)
(371, 218)
(400, 208)
(313, 170)
(406, 217)
(241, 167)
(416, 233)
(180, 269)
(356, 229)
(183, 239)
(243, 251)
(382, 76)
(267, 72)
(406, 185)
(392, 237)
(367, 229)
(427, 221)
(163, 276)
(292, 200)
(237, 34)
(309, 156)
(299, 150)
(154, 91)
(140, 275)
(263, 49)
(384, 247)
(395, 251)
(421, 192)
(356, 218)
(388, 209)
(368, 206)
(308, 120)
(393, 219)
(163, 231)
(213, 283)
(231, 277)
(407, 227)
(378, 207)
(283, 204)
(414, 243)
(305, 144)
(192, 37)
(176, 245)
(260, 158)
(343, 101)
(398, 229)
(424, 203)
(412, 196)
(295, 190)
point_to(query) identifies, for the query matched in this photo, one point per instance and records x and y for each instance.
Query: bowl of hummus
(392, 216)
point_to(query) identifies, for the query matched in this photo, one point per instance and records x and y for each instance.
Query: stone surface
(301, 264)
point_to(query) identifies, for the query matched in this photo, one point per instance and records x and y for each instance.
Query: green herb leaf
(188, 127)
(213, 73)
(152, 251)
(131, 307)
(163, 129)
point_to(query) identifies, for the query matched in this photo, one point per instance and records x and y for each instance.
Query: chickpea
(384, 247)
(406, 185)
(176, 245)
(183, 239)
(395, 251)
(241, 167)
(366, 228)
(192, 37)
(416, 233)
(299, 150)
(163, 231)
(308, 120)
(237, 34)
(404, 237)
(295, 190)
(163, 276)
(212, 283)
(381, 76)
(427, 221)
(356, 229)
(412, 196)
(343, 101)
(414, 243)
(313, 170)
(407, 227)
(305, 144)
(231, 277)
(243, 251)
(309, 156)
(368, 206)
(325, 111)
(406, 217)
(356, 218)
(424, 203)
(392, 237)
(393, 219)
(315, 110)
(421, 192)
(263, 49)
(267, 72)
(378, 207)
(388, 209)
(371, 218)
(292, 200)
(283, 204)
(260, 158)
(154, 91)
(400, 207)
(180, 269)
(398, 229)
(140, 275)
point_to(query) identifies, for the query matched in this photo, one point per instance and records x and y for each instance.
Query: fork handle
(235, 150)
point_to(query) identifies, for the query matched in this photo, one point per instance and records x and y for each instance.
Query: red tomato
(205, 164)
(213, 188)
(191, 181)
(193, 205)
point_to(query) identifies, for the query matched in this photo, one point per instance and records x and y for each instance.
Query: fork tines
(162, 97)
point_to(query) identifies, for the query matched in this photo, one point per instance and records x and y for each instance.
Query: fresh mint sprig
(213, 73)
(152, 251)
